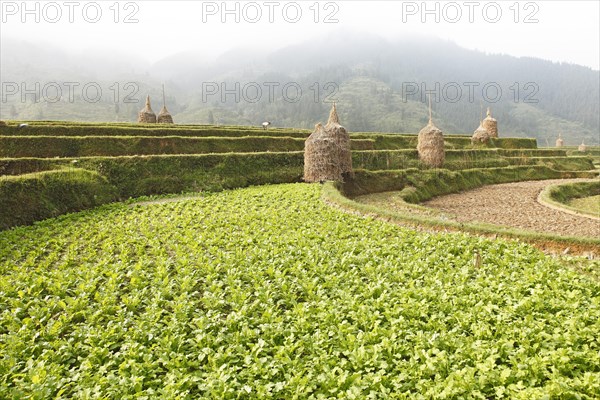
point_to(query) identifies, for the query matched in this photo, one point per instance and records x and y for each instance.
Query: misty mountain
(379, 85)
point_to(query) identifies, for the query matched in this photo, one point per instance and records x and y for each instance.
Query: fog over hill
(378, 84)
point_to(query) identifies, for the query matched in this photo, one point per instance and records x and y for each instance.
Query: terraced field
(49, 168)
(268, 291)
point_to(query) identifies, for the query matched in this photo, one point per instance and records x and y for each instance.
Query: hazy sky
(555, 30)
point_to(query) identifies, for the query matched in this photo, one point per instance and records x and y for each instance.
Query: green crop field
(267, 292)
(218, 292)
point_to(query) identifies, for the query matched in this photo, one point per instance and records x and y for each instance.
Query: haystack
(2, 123)
(431, 144)
(321, 157)
(490, 124)
(582, 147)
(342, 139)
(146, 115)
(481, 135)
(560, 142)
(163, 116)
(327, 155)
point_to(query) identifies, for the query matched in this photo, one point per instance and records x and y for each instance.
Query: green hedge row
(383, 141)
(49, 146)
(558, 163)
(28, 198)
(396, 142)
(362, 159)
(532, 153)
(133, 125)
(418, 185)
(146, 130)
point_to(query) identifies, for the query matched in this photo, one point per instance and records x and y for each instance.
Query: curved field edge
(334, 194)
(268, 292)
(558, 196)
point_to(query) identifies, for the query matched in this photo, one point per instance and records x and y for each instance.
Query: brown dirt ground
(515, 205)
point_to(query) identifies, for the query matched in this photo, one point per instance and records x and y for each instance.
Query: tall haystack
(146, 115)
(582, 147)
(2, 123)
(327, 155)
(321, 157)
(490, 124)
(342, 139)
(431, 144)
(163, 116)
(560, 142)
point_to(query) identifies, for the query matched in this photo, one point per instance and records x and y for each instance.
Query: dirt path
(516, 205)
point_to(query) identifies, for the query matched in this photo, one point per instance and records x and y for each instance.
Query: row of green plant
(269, 293)
(78, 130)
(560, 163)
(49, 146)
(383, 141)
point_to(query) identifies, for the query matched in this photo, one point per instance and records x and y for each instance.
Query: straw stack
(146, 115)
(430, 144)
(490, 124)
(481, 136)
(327, 154)
(163, 116)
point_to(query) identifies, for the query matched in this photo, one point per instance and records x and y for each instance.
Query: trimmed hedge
(146, 130)
(404, 141)
(33, 197)
(404, 159)
(559, 163)
(389, 141)
(49, 146)
(532, 153)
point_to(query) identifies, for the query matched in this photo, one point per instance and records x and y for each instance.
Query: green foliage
(392, 141)
(558, 163)
(269, 293)
(89, 146)
(28, 198)
(50, 146)
(78, 129)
